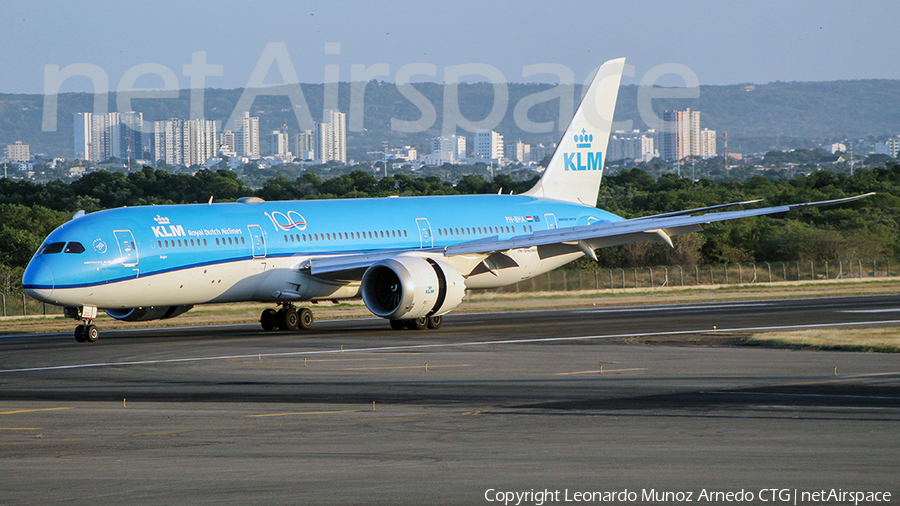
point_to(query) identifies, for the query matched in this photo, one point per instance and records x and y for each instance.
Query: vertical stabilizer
(576, 168)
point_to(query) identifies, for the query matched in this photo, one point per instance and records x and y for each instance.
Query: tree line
(864, 229)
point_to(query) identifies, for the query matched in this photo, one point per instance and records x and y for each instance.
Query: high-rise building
(184, 142)
(446, 149)
(707, 143)
(488, 145)
(680, 136)
(18, 152)
(246, 131)
(518, 151)
(893, 146)
(331, 137)
(92, 136)
(101, 136)
(305, 145)
(83, 132)
(226, 142)
(277, 145)
(634, 145)
(131, 139)
(539, 152)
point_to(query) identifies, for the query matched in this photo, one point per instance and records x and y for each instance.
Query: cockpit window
(54, 247)
(74, 247)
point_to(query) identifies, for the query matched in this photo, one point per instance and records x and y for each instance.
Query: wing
(586, 237)
(604, 235)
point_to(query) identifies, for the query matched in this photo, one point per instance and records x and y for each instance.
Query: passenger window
(204, 242)
(74, 247)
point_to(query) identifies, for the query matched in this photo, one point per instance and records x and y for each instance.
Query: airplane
(411, 259)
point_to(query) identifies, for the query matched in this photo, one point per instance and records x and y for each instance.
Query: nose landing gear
(87, 332)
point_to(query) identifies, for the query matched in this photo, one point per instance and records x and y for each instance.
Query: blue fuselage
(114, 246)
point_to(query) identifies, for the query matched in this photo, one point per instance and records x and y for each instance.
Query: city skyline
(721, 43)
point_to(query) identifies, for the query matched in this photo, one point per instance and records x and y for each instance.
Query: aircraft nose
(38, 280)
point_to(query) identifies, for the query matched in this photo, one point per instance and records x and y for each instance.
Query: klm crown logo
(574, 161)
(584, 139)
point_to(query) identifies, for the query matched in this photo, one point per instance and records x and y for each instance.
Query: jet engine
(143, 314)
(408, 286)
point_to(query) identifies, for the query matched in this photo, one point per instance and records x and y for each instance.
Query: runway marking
(436, 346)
(387, 367)
(31, 411)
(599, 371)
(20, 428)
(301, 413)
(890, 310)
(679, 307)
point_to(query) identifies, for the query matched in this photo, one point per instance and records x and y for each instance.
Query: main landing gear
(287, 317)
(425, 322)
(87, 332)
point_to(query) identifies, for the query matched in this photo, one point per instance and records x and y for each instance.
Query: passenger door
(128, 252)
(550, 218)
(425, 238)
(258, 240)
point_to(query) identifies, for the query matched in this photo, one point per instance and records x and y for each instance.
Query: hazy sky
(722, 42)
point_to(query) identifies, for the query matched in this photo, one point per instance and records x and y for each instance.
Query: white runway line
(890, 310)
(435, 346)
(671, 308)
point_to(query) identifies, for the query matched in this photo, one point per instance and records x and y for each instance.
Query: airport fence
(17, 303)
(600, 278)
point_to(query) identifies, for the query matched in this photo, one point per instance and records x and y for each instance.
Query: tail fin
(576, 168)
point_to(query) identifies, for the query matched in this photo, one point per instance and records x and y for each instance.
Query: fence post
(3, 295)
(812, 272)
(565, 282)
(634, 271)
(769, 268)
(24, 309)
(725, 271)
(740, 274)
(697, 273)
(859, 267)
(681, 275)
(754, 272)
(874, 273)
(826, 268)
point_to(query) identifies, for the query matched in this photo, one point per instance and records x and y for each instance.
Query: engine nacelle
(143, 314)
(408, 286)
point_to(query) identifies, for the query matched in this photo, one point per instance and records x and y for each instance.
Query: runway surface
(588, 399)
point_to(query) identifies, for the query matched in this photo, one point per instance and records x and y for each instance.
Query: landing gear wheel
(268, 318)
(435, 322)
(290, 319)
(417, 323)
(91, 333)
(79, 334)
(398, 324)
(306, 318)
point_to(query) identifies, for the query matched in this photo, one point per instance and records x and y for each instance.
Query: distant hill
(790, 114)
